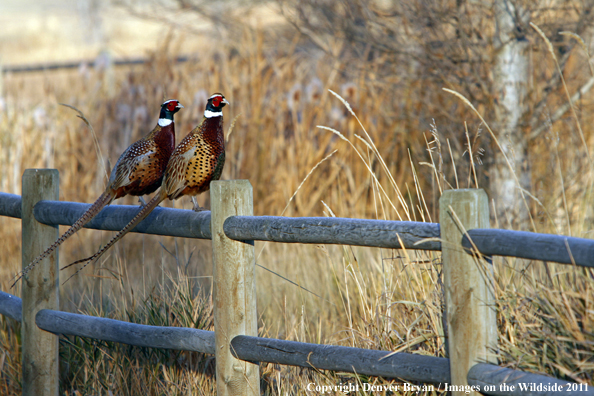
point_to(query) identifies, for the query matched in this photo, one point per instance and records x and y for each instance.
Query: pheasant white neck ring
(163, 122)
(212, 114)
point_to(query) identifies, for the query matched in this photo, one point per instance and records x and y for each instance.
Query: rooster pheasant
(138, 171)
(195, 162)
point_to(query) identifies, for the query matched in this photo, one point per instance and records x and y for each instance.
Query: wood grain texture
(334, 230)
(40, 287)
(234, 296)
(179, 338)
(487, 374)
(534, 246)
(346, 359)
(471, 320)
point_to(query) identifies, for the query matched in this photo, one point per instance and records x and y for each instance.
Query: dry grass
(388, 168)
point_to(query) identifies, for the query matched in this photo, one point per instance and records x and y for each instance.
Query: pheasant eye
(216, 101)
(171, 105)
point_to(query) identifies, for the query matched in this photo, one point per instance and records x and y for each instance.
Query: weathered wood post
(40, 287)
(234, 289)
(471, 320)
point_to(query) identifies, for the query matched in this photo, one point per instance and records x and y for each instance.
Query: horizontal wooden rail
(77, 64)
(11, 306)
(339, 358)
(58, 322)
(406, 366)
(181, 338)
(10, 205)
(189, 224)
(358, 232)
(326, 357)
(334, 230)
(162, 221)
(509, 382)
(533, 246)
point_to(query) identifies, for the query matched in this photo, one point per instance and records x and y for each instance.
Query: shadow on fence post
(234, 289)
(471, 320)
(40, 287)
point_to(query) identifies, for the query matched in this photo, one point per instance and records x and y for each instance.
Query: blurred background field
(275, 62)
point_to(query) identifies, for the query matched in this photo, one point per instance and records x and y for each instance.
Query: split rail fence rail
(462, 233)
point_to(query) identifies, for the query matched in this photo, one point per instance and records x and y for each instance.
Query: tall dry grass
(393, 161)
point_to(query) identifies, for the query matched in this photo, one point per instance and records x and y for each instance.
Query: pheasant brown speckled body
(138, 171)
(195, 162)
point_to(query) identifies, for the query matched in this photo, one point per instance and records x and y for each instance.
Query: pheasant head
(168, 109)
(214, 106)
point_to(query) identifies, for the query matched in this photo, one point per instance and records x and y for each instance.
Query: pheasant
(138, 171)
(195, 162)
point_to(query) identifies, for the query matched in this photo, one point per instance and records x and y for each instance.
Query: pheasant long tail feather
(144, 212)
(104, 200)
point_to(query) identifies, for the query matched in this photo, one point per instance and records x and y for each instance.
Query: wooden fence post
(471, 317)
(234, 289)
(40, 287)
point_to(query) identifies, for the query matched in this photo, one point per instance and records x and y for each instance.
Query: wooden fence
(462, 233)
(31, 68)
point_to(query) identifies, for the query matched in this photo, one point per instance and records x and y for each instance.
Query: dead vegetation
(406, 144)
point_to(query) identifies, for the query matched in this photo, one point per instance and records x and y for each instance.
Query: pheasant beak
(179, 106)
(226, 102)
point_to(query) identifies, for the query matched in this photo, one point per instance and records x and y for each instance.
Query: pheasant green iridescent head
(168, 109)
(214, 106)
